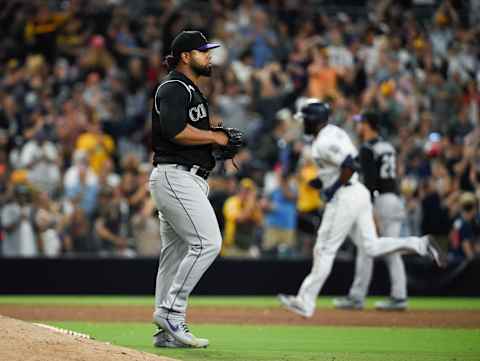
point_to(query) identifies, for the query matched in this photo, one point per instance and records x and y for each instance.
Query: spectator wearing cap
(465, 235)
(242, 219)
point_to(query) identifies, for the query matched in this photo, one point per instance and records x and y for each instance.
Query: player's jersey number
(388, 166)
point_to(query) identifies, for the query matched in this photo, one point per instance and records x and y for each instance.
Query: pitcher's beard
(202, 70)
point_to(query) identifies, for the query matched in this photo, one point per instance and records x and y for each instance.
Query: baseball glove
(236, 140)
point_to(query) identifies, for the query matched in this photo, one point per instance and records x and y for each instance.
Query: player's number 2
(388, 168)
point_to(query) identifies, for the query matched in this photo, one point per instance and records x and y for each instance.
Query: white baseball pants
(350, 212)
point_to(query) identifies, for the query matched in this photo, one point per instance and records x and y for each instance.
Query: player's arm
(171, 103)
(347, 168)
(194, 136)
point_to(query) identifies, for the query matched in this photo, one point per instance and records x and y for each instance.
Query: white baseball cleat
(348, 303)
(392, 304)
(436, 252)
(178, 329)
(164, 339)
(293, 304)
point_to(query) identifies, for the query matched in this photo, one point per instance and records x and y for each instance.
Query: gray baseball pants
(389, 212)
(190, 236)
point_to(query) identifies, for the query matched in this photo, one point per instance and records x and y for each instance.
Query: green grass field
(283, 343)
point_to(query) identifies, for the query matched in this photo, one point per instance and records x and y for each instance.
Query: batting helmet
(314, 114)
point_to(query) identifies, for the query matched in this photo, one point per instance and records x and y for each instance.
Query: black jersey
(379, 166)
(179, 102)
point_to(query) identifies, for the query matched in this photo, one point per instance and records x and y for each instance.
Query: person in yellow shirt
(309, 204)
(242, 219)
(98, 145)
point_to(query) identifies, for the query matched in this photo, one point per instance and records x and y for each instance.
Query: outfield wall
(225, 277)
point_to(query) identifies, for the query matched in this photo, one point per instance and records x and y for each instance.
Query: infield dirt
(248, 315)
(23, 341)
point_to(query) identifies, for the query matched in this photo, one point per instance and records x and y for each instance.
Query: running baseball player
(378, 164)
(183, 143)
(348, 211)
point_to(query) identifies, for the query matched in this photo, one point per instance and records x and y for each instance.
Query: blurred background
(76, 85)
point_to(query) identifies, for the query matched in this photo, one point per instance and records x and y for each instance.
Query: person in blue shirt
(280, 220)
(465, 235)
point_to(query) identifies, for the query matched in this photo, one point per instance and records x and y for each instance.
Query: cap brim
(358, 118)
(208, 46)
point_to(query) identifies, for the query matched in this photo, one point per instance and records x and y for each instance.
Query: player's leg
(192, 217)
(173, 251)
(396, 269)
(361, 281)
(182, 199)
(391, 212)
(337, 221)
(375, 246)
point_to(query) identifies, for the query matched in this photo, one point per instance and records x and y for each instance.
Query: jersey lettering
(197, 113)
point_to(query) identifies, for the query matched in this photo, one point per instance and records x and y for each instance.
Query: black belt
(194, 169)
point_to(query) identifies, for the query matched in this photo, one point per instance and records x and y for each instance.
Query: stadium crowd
(76, 86)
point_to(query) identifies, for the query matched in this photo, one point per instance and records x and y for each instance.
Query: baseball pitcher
(183, 145)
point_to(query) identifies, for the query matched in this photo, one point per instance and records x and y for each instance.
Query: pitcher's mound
(21, 341)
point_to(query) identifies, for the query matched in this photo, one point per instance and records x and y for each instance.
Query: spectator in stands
(112, 226)
(242, 219)
(48, 223)
(17, 223)
(309, 206)
(322, 82)
(81, 183)
(465, 235)
(97, 57)
(41, 31)
(413, 209)
(40, 156)
(77, 233)
(98, 145)
(145, 230)
(81, 74)
(221, 188)
(280, 220)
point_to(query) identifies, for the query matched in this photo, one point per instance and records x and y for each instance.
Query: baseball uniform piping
(199, 238)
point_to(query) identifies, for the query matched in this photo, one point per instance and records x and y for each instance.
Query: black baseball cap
(369, 117)
(189, 40)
